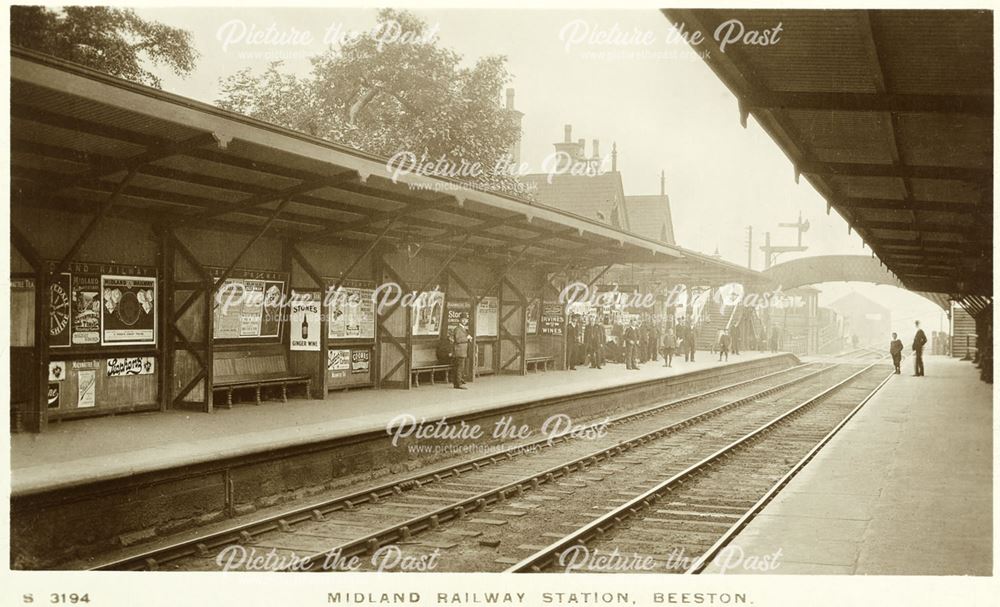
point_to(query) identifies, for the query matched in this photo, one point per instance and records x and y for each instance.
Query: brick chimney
(515, 147)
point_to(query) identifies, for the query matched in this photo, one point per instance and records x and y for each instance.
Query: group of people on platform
(637, 341)
(896, 351)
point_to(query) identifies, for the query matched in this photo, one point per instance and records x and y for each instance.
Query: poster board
(22, 312)
(553, 318)
(348, 366)
(128, 315)
(60, 310)
(351, 311)
(304, 321)
(248, 304)
(533, 315)
(427, 311)
(456, 308)
(488, 317)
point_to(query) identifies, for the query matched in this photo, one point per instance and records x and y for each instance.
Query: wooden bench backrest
(533, 347)
(250, 363)
(425, 353)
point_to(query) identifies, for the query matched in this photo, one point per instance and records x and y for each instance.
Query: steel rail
(703, 561)
(600, 525)
(200, 544)
(401, 532)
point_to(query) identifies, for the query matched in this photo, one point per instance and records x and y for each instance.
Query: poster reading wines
(129, 315)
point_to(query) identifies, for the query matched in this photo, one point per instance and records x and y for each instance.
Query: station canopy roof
(81, 139)
(888, 114)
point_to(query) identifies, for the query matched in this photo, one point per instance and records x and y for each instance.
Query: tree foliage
(110, 39)
(391, 89)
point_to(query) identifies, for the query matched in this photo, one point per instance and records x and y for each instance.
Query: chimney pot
(597, 148)
(510, 99)
(568, 130)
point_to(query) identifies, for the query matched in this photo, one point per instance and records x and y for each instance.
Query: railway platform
(905, 488)
(95, 485)
(96, 449)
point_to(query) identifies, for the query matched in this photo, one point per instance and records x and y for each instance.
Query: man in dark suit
(460, 339)
(919, 339)
(573, 336)
(594, 339)
(631, 338)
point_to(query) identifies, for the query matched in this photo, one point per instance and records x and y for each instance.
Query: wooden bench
(426, 363)
(534, 362)
(249, 370)
(430, 370)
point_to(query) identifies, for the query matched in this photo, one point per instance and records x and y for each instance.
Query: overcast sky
(658, 101)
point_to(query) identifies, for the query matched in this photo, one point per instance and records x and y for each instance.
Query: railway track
(681, 523)
(388, 512)
(500, 534)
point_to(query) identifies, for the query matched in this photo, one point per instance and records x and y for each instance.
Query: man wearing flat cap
(460, 339)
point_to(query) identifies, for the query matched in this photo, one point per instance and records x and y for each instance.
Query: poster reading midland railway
(129, 310)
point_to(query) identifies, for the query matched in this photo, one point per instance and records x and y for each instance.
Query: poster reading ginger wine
(129, 310)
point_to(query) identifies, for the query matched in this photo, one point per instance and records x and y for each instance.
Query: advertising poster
(360, 360)
(131, 365)
(338, 360)
(53, 396)
(247, 308)
(351, 313)
(488, 317)
(552, 318)
(22, 312)
(129, 310)
(427, 310)
(60, 308)
(86, 385)
(305, 321)
(253, 308)
(532, 315)
(86, 318)
(455, 310)
(57, 370)
(227, 308)
(270, 322)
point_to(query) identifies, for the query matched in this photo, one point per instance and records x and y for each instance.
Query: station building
(140, 212)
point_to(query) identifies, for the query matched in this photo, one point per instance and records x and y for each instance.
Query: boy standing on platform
(896, 351)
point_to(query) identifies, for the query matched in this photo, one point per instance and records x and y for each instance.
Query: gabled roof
(650, 217)
(854, 300)
(595, 197)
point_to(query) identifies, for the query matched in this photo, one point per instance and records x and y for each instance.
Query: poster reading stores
(129, 310)
(305, 321)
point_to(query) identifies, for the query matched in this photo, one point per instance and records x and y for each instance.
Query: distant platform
(85, 451)
(905, 488)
